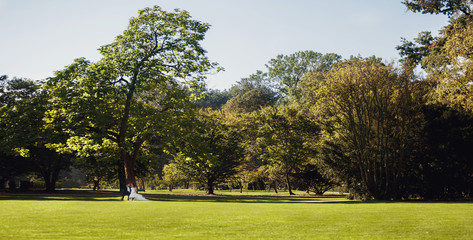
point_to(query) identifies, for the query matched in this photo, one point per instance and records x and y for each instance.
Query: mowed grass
(228, 217)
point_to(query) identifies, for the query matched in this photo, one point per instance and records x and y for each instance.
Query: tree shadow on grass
(85, 195)
(62, 195)
(247, 199)
(329, 199)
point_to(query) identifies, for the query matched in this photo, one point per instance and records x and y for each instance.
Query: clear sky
(38, 37)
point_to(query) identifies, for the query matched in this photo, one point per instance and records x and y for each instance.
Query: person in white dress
(134, 196)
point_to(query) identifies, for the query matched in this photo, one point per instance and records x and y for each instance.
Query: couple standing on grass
(132, 192)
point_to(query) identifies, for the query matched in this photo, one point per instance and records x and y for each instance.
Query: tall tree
(370, 123)
(25, 133)
(210, 152)
(287, 70)
(446, 169)
(450, 66)
(447, 58)
(142, 82)
(287, 138)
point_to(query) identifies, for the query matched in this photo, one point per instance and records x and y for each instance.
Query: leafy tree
(172, 174)
(317, 177)
(138, 88)
(251, 94)
(210, 152)
(250, 101)
(370, 126)
(412, 53)
(451, 66)
(286, 137)
(258, 80)
(11, 91)
(25, 133)
(447, 58)
(287, 70)
(214, 99)
(99, 166)
(273, 176)
(447, 7)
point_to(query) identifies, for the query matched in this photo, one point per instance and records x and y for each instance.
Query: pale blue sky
(39, 37)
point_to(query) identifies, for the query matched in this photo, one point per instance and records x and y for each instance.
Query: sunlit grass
(228, 217)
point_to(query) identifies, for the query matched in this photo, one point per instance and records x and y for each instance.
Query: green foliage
(210, 152)
(172, 174)
(370, 125)
(287, 70)
(214, 99)
(412, 53)
(258, 80)
(24, 133)
(138, 88)
(451, 66)
(286, 137)
(317, 177)
(448, 63)
(447, 7)
(250, 101)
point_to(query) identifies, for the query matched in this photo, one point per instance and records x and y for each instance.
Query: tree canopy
(140, 83)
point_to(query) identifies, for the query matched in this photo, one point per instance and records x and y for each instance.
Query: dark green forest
(310, 121)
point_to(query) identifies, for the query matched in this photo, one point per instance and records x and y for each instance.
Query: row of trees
(310, 121)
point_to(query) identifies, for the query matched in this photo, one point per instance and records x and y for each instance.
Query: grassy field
(228, 216)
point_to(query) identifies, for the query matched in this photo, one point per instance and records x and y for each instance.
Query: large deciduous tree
(142, 82)
(369, 114)
(286, 138)
(288, 70)
(449, 65)
(210, 152)
(447, 58)
(24, 133)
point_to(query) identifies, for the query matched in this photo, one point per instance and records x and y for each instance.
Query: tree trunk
(170, 187)
(12, 184)
(210, 187)
(129, 167)
(127, 159)
(96, 185)
(275, 188)
(143, 184)
(289, 184)
(50, 186)
(49, 180)
(121, 177)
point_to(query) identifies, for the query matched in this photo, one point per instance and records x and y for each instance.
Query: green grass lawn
(251, 216)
